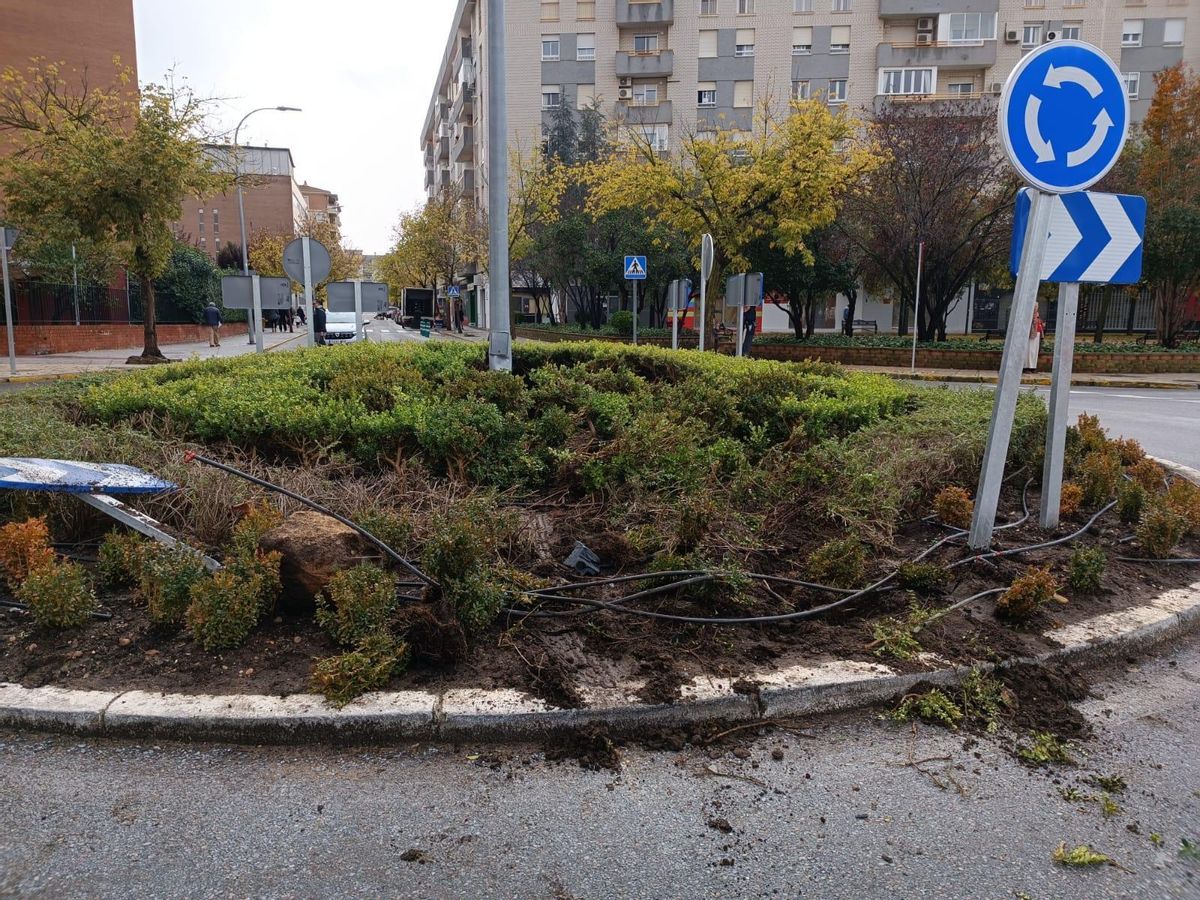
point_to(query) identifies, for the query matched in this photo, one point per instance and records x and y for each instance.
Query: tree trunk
(852, 305)
(150, 320)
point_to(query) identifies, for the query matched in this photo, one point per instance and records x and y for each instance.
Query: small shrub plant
(1149, 474)
(368, 667)
(24, 548)
(1027, 594)
(1098, 475)
(1183, 498)
(1070, 499)
(1087, 569)
(841, 563)
(122, 555)
(954, 506)
(357, 604)
(59, 595)
(1131, 500)
(1160, 530)
(224, 609)
(924, 578)
(165, 581)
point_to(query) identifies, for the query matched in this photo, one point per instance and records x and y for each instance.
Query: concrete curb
(459, 715)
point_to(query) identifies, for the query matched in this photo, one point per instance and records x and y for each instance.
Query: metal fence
(1124, 310)
(38, 303)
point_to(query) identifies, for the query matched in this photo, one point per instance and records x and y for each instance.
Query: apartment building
(323, 205)
(671, 67)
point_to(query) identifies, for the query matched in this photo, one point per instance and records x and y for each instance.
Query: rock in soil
(314, 547)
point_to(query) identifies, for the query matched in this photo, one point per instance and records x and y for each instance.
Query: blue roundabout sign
(1064, 116)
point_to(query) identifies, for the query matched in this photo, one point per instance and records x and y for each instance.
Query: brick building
(85, 36)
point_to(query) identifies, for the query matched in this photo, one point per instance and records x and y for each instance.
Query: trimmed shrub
(1070, 499)
(369, 667)
(257, 521)
(1160, 530)
(1027, 594)
(924, 578)
(1131, 500)
(1183, 497)
(59, 595)
(840, 563)
(1092, 438)
(460, 554)
(357, 604)
(1098, 475)
(1150, 475)
(621, 322)
(165, 581)
(223, 611)
(260, 571)
(122, 555)
(1087, 569)
(954, 506)
(24, 549)
(1129, 450)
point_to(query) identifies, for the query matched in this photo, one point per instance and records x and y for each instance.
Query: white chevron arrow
(1124, 238)
(1063, 238)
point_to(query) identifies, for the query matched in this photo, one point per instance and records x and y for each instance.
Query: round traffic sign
(1064, 116)
(319, 261)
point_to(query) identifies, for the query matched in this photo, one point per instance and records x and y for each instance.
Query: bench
(864, 326)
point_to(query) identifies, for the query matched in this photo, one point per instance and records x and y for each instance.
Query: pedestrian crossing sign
(635, 268)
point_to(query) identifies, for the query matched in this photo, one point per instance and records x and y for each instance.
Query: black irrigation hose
(313, 505)
(994, 554)
(24, 607)
(1174, 560)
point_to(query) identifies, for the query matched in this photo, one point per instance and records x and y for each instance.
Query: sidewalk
(60, 366)
(1161, 380)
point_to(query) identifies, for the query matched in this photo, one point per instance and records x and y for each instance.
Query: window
(839, 39)
(708, 44)
(801, 90)
(837, 91)
(802, 6)
(801, 40)
(1032, 35)
(1133, 83)
(1131, 33)
(585, 97)
(745, 7)
(202, 226)
(1074, 3)
(960, 88)
(585, 9)
(585, 47)
(906, 82)
(972, 28)
(744, 42)
(551, 96)
(1173, 32)
(743, 94)
(1070, 31)
(840, 6)
(645, 43)
(550, 47)
(657, 136)
(549, 11)
(708, 7)
(645, 95)
(1035, 4)
(706, 93)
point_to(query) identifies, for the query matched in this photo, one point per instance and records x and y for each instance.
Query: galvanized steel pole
(500, 336)
(1060, 398)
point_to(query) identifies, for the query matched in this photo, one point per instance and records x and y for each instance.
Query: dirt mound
(1045, 698)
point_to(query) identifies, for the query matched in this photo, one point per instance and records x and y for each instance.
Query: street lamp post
(241, 208)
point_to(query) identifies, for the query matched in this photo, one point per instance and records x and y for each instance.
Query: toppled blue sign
(71, 477)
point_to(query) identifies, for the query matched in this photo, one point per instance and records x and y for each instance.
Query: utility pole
(500, 337)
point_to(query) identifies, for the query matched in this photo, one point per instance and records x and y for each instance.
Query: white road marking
(1132, 396)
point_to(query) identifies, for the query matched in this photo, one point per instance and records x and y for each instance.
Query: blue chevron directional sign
(1064, 116)
(1093, 238)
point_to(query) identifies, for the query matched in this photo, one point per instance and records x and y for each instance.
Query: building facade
(674, 67)
(87, 38)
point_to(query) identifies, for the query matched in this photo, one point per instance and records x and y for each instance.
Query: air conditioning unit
(924, 38)
(626, 82)
(625, 94)
(925, 24)
(997, 87)
(1051, 35)
(1012, 36)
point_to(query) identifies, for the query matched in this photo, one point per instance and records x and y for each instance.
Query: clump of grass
(1044, 749)
(1160, 530)
(933, 706)
(953, 506)
(1027, 594)
(896, 638)
(1131, 501)
(924, 578)
(24, 549)
(122, 555)
(1108, 806)
(1114, 784)
(1074, 795)
(166, 577)
(984, 700)
(1087, 569)
(841, 562)
(368, 667)
(1080, 856)
(1070, 499)
(59, 595)
(357, 604)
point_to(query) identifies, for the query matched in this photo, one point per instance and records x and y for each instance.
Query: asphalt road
(841, 815)
(386, 331)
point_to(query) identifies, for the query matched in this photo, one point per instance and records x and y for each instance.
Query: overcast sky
(361, 70)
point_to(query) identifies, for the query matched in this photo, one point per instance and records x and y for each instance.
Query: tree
(266, 251)
(782, 181)
(190, 279)
(945, 182)
(795, 284)
(1166, 164)
(230, 256)
(106, 166)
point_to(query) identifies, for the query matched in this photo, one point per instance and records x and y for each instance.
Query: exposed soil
(561, 659)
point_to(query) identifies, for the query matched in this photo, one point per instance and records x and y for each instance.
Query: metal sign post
(499, 305)
(917, 303)
(307, 262)
(635, 271)
(1064, 118)
(358, 308)
(256, 313)
(8, 237)
(706, 266)
(735, 296)
(306, 249)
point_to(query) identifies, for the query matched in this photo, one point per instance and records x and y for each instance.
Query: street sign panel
(1064, 116)
(237, 292)
(10, 237)
(635, 268)
(341, 296)
(706, 256)
(454, 291)
(1093, 238)
(73, 477)
(753, 293)
(735, 290)
(319, 260)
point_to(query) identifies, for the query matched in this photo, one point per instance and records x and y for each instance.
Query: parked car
(342, 328)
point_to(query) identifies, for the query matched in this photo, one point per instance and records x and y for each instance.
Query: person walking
(302, 316)
(319, 323)
(1036, 329)
(847, 322)
(749, 324)
(212, 318)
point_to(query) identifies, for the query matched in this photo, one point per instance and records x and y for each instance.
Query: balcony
(466, 184)
(640, 13)
(942, 54)
(938, 104)
(463, 105)
(428, 177)
(910, 9)
(645, 65)
(645, 113)
(442, 148)
(462, 148)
